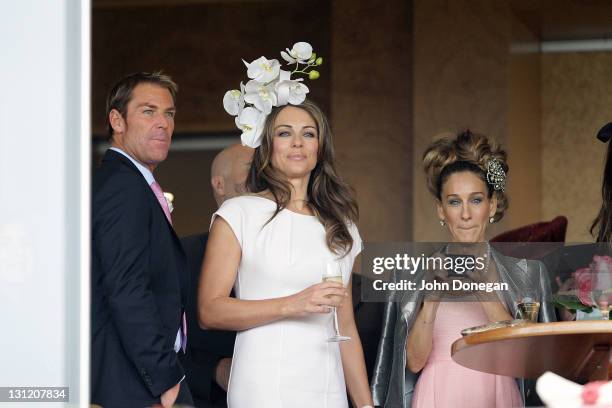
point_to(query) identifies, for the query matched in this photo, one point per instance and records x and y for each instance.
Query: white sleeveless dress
(288, 363)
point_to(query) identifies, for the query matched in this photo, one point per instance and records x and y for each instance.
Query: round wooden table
(579, 351)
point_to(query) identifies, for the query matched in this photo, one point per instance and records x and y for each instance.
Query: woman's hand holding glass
(318, 298)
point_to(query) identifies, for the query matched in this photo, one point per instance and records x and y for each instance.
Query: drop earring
(442, 223)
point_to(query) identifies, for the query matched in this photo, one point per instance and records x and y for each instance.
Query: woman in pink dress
(467, 176)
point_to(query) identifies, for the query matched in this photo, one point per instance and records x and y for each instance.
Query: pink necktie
(162, 200)
(164, 205)
(184, 333)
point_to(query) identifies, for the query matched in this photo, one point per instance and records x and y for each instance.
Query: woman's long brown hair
(331, 199)
(602, 224)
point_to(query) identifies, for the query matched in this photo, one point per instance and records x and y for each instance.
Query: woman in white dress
(271, 246)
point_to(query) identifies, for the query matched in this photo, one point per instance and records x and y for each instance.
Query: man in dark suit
(139, 271)
(208, 358)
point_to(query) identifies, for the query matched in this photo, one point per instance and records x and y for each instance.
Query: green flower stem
(303, 70)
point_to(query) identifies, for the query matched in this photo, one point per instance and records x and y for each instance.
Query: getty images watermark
(448, 272)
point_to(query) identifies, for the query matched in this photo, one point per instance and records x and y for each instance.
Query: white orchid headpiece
(270, 86)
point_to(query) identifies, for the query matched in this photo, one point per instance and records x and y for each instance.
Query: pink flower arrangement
(584, 281)
(602, 265)
(597, 276)
(587, 288)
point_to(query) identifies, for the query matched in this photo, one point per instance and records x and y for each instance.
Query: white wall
(44, 194)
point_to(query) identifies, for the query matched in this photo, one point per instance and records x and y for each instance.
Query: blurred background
(534, 74)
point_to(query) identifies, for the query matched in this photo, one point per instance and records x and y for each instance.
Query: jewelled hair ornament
(496, 176)
(270, 86)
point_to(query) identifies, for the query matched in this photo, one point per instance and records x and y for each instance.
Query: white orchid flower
(291, 91)
(297, 93)
(287, 57)
(251, 122)
(301, 52)
(269, 86)
(282, 87)
(262, 69)
(261, 95)
(233, 101)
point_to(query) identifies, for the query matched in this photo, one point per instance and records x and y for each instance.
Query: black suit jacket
(138, 287)
(204, 347)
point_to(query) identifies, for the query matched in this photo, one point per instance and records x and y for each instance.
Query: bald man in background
(208, 359)
(229, 171)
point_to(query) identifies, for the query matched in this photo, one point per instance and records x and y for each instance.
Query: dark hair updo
(466, 151)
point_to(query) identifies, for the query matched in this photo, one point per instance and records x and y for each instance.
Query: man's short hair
(121, 94)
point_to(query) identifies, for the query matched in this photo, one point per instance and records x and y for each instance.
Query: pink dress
(444, 383)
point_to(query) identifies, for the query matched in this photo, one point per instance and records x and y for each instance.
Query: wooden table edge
(534, 329)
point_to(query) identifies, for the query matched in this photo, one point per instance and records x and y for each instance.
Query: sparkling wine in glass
(527, 309)
(602, 303)
(333, 273)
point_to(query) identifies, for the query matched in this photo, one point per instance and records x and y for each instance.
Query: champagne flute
(601, 298)
(602, 286)
(333, 273)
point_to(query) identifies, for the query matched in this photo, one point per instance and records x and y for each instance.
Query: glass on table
(602, 302)
(527, 309)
